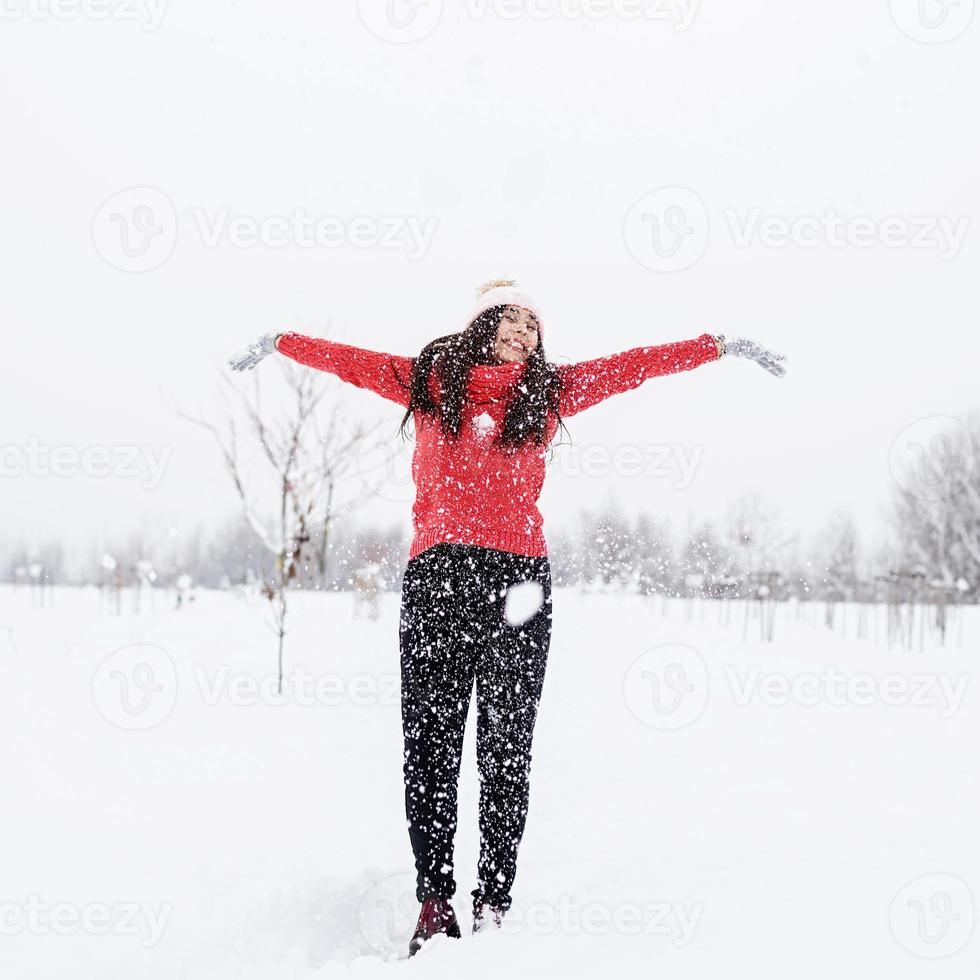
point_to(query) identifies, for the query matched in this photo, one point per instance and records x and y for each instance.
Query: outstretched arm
(589, 382)
(387, 375)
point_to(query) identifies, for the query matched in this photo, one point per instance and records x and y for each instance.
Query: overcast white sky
(524, 145)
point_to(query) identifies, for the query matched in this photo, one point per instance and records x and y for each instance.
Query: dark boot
(485, 916)
(437, 916)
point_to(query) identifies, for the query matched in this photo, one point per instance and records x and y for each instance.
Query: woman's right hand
(262, 348)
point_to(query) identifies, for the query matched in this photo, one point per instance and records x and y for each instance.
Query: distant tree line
(600, 549)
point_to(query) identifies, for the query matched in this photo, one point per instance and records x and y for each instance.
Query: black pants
(456, 626)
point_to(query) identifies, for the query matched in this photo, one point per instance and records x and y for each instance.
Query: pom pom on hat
(493, 284)
(504, 292)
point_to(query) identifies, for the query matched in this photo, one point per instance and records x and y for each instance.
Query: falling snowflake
(484, 425)
(523, 601)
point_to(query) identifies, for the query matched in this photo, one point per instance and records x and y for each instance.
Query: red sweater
(467, 490)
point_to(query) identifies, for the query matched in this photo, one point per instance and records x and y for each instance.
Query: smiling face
(517, 335)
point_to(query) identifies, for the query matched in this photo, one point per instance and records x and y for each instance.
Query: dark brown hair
(452, 357)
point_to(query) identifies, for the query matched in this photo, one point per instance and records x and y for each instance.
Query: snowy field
(702, 804)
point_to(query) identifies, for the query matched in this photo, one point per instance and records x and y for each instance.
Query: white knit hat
(503, 292)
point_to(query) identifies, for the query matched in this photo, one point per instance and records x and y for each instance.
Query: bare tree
(608, 549)
(837, 558)
(655, 555)
(936, 511)
(308, 450)
(704, 560)
(755, 537)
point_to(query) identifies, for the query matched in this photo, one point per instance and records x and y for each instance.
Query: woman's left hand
(770, 360)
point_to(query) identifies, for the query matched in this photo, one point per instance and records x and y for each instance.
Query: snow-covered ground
(702, 803)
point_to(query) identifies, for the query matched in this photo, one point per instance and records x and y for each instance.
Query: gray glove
(740, 347)
(263, 347)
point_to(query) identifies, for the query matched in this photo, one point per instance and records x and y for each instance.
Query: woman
(486, 404)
